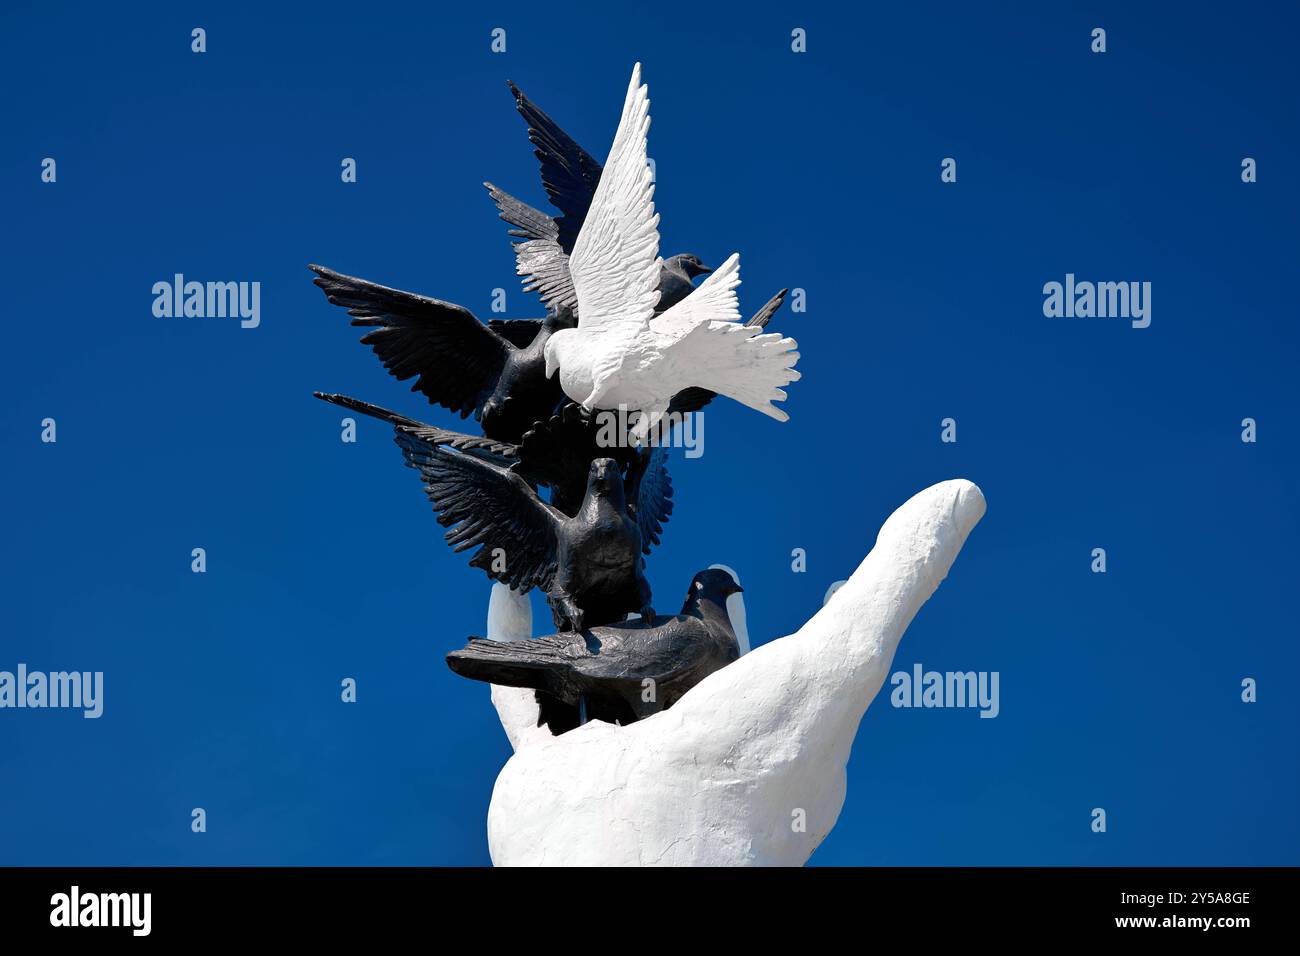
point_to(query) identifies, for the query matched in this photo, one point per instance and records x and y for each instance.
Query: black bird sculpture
(618, 672)
(589, 564)
(556, 454)
(456, 360)
(570, 176)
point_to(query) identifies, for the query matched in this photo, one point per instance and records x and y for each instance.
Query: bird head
(554, 350)
(708, 593)
(605, 477)
(558, 318)
(714, 583)
(690, 264)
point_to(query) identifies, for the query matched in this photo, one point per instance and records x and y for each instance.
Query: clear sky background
(924, 301)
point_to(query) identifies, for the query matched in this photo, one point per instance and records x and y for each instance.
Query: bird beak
(702, 270)
(737, 589)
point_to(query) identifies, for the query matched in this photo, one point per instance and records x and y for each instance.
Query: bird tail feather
(511, 663)
(746, 364)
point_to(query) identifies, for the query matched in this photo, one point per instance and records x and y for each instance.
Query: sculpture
(709, 765)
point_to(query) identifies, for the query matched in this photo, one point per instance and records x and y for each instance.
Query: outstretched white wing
(615, 260)
(714, 300)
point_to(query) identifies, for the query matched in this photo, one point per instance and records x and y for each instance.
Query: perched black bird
(589, 563)
(557, 454)
(456, 360)
(607, 668)
(570, 176)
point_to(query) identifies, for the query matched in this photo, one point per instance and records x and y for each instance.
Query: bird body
(621, 672)
(523, 395)
(589, 564)
(596, 548)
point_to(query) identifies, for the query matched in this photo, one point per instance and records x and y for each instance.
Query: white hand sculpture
(725, 776)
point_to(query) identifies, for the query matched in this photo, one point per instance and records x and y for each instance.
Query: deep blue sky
(924, 301)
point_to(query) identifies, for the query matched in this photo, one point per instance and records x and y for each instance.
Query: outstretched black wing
(649, 493)
(539, 258)
(694, 398)
(502, 452)
(454, 359)
(489, 507)
(569, 173)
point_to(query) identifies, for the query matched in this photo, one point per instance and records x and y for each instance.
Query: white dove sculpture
(621, 356)
(748, 768)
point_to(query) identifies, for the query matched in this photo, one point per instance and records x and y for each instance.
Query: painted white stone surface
(721, 777)
(510, 618)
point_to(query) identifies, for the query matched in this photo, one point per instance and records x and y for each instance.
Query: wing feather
(453, 357)
(713, 300)
(540, 258)
(569, 173)
(501, 452)
(487, 506)
(650, 494)
(615, 260)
